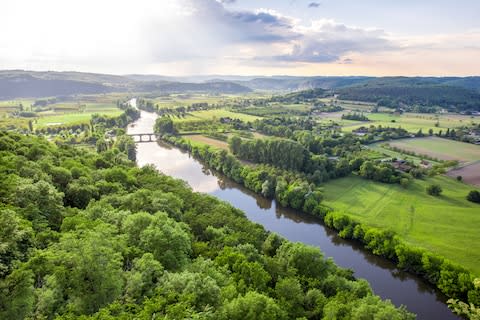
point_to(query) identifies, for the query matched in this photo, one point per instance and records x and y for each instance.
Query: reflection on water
(386, 280)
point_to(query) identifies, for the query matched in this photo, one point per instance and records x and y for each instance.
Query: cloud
(314, 4)
(207, 36)
(328, 41)
(210, 31)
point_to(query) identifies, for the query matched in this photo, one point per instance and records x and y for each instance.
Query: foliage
(434, 190)
(474, 196)
(139, 244)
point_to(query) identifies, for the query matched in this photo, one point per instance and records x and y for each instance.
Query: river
(385, 279)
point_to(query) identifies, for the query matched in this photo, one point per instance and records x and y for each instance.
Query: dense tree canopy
(86, 234)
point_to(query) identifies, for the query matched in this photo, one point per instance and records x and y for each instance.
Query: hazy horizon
(243, 37)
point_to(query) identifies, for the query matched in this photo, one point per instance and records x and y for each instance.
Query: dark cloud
(314, 4)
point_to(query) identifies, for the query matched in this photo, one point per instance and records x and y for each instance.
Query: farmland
(443, 149)
(447, 225)
(70, 113)
(469, 173)
(201, 139)
(413, 122)
(215, 114)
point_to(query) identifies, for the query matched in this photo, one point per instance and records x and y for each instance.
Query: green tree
(127, 145)
(40, 203)
(434, 190)
(143, 278)
(164, 125)
(166, 239)
(290, 295)
(252, 306)
(307, 261)
(86, 275)
(474, 196)
(16, 236)
(16, 295)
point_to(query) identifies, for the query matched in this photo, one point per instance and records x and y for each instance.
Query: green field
(215, 114)
(440, 148)
(74, 112)
(413, 122)
(178, 100)
(379, 148)
(448, 225)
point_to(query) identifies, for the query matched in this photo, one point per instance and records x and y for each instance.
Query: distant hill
(23, 84)
(455, 94)
(177, 87)
(286, 83)
(28, 86)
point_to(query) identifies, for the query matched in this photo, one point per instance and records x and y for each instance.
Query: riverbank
(453, 280)
(385, 279)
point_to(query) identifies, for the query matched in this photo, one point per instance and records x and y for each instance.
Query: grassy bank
(447, 225)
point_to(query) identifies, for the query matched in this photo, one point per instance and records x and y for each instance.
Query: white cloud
(203, 36)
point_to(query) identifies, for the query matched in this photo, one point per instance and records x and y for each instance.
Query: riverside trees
(140, 244)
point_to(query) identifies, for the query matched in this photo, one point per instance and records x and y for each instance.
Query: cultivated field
(178, 100)
(381, 152)
(73, 113)
(469, 173)
(442, 149)
(447, 225)
(206, 140)
(413, 122)
(215, 114)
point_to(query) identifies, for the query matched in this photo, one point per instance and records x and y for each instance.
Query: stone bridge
(144, 137)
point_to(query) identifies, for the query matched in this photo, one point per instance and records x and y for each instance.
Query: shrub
(434, 190)
(474, 196)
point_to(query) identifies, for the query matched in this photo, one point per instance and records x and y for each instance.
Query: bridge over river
(144, 137)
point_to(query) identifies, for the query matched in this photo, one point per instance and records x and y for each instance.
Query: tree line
(89, 235)
(291, 191)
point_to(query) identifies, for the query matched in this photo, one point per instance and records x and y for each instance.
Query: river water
(387, 281)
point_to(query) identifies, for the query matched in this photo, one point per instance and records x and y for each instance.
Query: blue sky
(244, 37)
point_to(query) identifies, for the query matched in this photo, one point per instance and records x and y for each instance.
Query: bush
(434, 190)
(474, 196)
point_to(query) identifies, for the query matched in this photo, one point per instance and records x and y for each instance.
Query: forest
(88, 234)
(291, 171)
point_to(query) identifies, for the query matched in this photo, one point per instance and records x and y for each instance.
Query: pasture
(447, 225)
(201, 139)
(380, 149)
(214, 114)
(443, 149)
(413, 122)
(179, 100)
(74, 113)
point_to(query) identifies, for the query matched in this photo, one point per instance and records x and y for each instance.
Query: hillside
(429, 92)
(19, 83)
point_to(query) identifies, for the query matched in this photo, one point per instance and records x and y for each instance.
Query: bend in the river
(386, 280)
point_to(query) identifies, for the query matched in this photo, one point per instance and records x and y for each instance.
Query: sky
(243, 37)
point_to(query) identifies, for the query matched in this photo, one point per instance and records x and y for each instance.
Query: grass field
(413, 122)
(443, 149)
(215, 114)
(177, 100)
(448, 225)
(206, 140)
(378, 147)
(74, 112)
